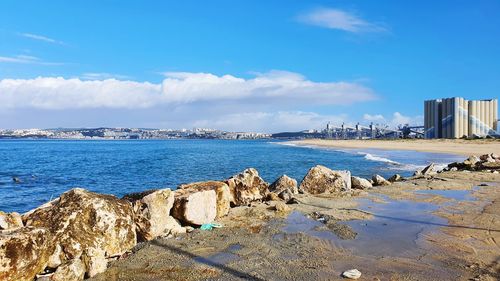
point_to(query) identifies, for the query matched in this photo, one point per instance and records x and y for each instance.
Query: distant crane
(406, 130)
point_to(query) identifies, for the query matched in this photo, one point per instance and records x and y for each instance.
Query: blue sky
(249, 65)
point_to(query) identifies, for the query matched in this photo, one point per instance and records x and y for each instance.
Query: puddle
(395, 230)
(459, 195)
(223, 257)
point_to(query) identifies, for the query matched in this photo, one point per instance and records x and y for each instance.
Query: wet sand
(459, 147)
(444, 228)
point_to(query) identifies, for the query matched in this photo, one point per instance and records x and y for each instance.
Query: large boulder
(360, 183)
(95, 261)
(224, 197)
(73, 270)
(320, 179)
(24, 252)
(81, 220)
(246, 187)
(10, 220)
(152, 209)
(284, 183)
(379, 180)
(195, 207)
(396, 178)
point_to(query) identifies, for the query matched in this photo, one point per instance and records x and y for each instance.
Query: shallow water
(458, 195)
(46, 168)
(223, 257)
(395, 230)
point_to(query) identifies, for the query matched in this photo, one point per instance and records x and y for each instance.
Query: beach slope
(459, 146)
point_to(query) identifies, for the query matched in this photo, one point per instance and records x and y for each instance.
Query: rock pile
(474, 163)
(320, 179)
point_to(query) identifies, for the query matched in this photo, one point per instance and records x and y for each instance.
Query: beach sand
(459, 146)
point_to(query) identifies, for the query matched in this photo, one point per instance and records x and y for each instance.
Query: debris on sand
(352, 274)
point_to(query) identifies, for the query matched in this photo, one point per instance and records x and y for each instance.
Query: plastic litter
(352, 274)
(210, 226)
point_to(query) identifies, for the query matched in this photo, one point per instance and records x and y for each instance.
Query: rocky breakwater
(75, 236)
(486, 162)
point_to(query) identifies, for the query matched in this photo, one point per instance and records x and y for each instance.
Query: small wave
(372, 157)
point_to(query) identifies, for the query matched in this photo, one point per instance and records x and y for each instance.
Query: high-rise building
(458, 117)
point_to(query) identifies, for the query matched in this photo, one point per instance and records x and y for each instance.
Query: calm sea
(46, 168)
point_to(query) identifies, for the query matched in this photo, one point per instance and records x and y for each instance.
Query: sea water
(47, 168)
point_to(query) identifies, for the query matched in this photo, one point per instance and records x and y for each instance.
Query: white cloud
(339, 19)
(395, 120)
(375, 117)
(42, 38)
(277, 89)
(24, 59)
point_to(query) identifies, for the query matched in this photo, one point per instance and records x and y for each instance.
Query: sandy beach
(459, 147)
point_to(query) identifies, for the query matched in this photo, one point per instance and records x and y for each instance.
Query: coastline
(447, 146)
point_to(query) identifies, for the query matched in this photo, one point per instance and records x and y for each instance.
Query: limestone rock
(80, 219)
(360, 183)
(24, 252)
(175, 226)
(10, 220)
(286, 195)
(284, 183)
(246, 187)
(281, 207)
(273, 197)
(95, 261)
(73, 270)
(320, 179)
(429, 170)
(195, 207)
(224, 197)
(151, 213)
(378, 180)
(491, 165)
(396, 178)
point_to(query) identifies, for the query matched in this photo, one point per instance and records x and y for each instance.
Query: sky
(264, 66)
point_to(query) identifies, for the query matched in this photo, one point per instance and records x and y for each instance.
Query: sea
(47, 168)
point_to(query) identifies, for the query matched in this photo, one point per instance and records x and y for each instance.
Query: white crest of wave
(372, 157)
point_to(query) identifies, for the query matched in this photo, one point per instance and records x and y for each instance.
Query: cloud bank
(341, 20)
(279, 89)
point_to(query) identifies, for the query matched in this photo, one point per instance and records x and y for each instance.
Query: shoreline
(444, 146)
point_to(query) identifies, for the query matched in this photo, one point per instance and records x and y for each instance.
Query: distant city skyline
(260, 66)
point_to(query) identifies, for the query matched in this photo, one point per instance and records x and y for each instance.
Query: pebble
(352, 274)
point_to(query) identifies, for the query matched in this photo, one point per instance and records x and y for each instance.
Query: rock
(429, 170)
(360, 183)
(453, 169)
(80, 220)
(56, 258)
(16, 179)
(284, 183)
(471, 161)
(272, 197)
(378, 180)
(490, 165)
(352, 274)
(281, 207)
(175, 226)
(495, 156)
(286, 195)
(73, 270)
(195, 207)
(320, 179)
(224, 197)
(10, 220)
(95, 261)
(151, 213)
(395, 178)
(24, 252)
(346, 176)
(246, 187)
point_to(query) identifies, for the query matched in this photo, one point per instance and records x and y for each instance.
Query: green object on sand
(210, 226)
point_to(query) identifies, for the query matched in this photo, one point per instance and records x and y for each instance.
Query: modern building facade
(457, 117)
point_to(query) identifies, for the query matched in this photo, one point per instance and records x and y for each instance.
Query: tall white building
(458, 117)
